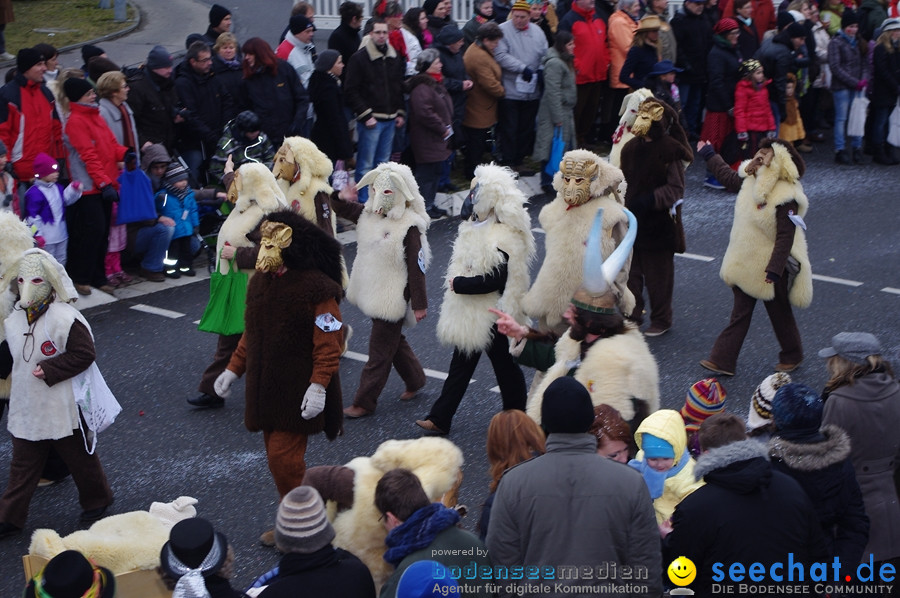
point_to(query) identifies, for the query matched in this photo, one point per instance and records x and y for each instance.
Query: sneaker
(7, 56)
(124, 278)
(714, 368)
(108, 289)
(189, 272)
(83, 289)
(655, 331)
(113, 280)
(713, 183)
(152, 276)
(173, 274)
(841, 157)
(435, 212)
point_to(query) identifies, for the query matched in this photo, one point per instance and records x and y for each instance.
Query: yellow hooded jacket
(668, 425)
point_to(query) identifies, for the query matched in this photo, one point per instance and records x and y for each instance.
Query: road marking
(430, 373)
(891, 290)
(694, 256)
(538, 230)
(843, 281)
(196, 322)
(157, 311)
(495, 389)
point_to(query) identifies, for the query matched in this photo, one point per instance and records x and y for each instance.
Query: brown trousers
(725, 351)
(654, 269)
(25, 469)
(286, 452)
(225, 346)
(387, 346)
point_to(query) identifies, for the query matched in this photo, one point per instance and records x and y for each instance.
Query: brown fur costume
(280, 312)
(645, 165)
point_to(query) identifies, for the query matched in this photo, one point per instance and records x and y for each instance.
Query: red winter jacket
(93, 149)
(591, 51)
(29, 124)
(752, 111)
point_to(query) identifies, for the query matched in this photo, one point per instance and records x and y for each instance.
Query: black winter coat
(327, 572)
(825, 472)
(230, 77)
(153, 100)
(280, 101)
(345, 40)
(777, 58)
(745, 513)
(454, 73)
(638, 63)
(330, 132)
(722, 64)
(748, 40)
(206, 102)
(693, 37)
(886, 78)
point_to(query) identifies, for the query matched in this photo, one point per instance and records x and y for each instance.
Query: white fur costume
(380, 274)
(437, 463)
(628, 113)
(15, 239)
(753, 230)
(567, 229)
(302, 171)
(615, 370)
(504, 224)
(257, 194)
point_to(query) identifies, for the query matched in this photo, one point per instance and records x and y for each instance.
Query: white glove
(313, 401)
(223, 383)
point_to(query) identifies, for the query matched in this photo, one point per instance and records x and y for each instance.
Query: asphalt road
(160, 448)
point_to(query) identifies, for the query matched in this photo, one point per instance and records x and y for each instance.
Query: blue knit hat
(797, 407)
(655, 447)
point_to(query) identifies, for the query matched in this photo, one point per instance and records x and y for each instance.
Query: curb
(114, 35)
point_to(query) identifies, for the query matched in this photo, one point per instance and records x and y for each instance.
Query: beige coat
(481, 103)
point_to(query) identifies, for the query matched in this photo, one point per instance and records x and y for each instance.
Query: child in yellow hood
(664, 461)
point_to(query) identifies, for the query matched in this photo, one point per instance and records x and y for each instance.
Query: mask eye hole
(579, 180)
(388, 192)
(567, 179)
(37, 280)
(21, 280)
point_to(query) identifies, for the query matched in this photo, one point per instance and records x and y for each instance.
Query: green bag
(224, 314)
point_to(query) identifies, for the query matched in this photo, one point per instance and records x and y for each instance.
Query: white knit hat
(301, 525)
(760, 412)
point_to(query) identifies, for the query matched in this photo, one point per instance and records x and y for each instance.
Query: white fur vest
(561, 273)
(379, 274)
(753, 238)
(465, 321)
(615, 370)
(38, 411)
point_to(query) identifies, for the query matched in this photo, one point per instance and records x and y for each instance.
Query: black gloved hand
(527, 74)
(109, 194)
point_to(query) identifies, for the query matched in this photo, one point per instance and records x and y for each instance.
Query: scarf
(436, 76)
(36, 310)
(850, 40)
(418, 531)
(179, 193)
(128, 138)
(191, 583)
(656, 480)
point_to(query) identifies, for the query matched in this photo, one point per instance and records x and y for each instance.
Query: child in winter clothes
(176, 201)
(753, 117)
(664, 461)
(45, 207)
(704, 398)
(759, 416)
(792, 128)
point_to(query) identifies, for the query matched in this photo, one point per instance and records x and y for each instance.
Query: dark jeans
(476, 145)
(427, 176)
(88, 222)
(182, 250)
(462, 366)
(516, 129)
(693, 98)
(586, 106)
(879, 117)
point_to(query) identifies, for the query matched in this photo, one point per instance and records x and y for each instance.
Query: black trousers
(516, 129)
(462, 366)
(476, 145)
(88, 222)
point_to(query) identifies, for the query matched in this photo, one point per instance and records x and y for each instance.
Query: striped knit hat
(301, 525)
(760, 412)
(704, 398)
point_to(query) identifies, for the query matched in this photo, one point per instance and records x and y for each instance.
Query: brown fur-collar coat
(280, 324)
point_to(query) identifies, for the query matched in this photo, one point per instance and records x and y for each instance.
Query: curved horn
(617, 258)
(594, 280)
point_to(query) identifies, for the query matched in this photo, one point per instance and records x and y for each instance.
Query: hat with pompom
(704, 398)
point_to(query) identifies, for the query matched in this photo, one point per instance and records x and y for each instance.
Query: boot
(892, 153)
(881, 156)
(858, 157)
(843, 157)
